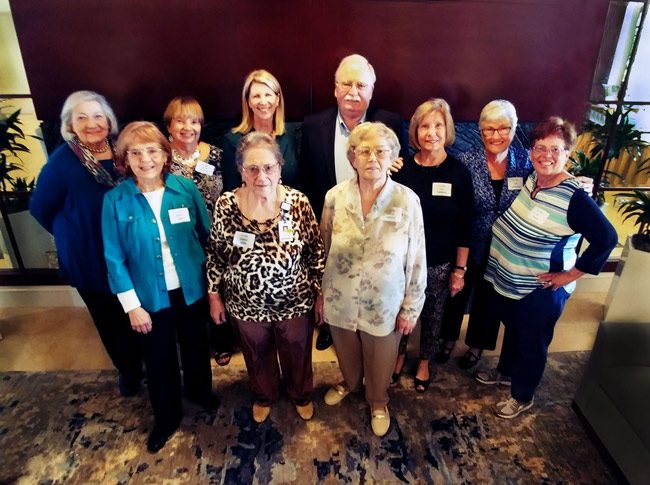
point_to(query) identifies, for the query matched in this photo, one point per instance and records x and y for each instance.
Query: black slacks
(186, 324)
(115, 332)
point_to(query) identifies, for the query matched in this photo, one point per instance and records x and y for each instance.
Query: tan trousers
(364, 355)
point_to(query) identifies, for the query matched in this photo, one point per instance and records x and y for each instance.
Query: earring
(170, 138)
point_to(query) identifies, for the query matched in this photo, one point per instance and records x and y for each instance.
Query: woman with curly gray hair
(67, 202)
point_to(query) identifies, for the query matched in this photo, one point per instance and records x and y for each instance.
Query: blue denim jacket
(132, 242)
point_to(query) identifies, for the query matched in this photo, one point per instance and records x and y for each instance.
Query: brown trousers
(362, 355)
(262, 343)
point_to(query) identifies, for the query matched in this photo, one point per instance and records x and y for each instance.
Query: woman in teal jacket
(154, 225)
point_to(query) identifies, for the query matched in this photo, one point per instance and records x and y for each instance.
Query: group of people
(177, 246)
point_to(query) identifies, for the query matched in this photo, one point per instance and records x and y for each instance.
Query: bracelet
(463, 268)
(462, 277)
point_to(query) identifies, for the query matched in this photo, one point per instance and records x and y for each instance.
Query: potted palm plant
(12, 144)
(627, 300)
(626, 139)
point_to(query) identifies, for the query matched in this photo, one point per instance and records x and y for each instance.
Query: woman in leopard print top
(266, 255)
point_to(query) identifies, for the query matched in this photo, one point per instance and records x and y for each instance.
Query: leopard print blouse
(273, 280)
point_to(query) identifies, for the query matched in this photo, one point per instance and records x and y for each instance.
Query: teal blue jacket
(132, 242)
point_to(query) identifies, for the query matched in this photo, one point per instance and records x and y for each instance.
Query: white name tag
(395, 215)
(244, 240)
(441, 189)
(204, 168)
(515, 183)
(286, 231)
(177, 216)
(539, 215)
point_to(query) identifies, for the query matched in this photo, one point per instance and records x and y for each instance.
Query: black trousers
(115, 332)
(483, 326)
(187, 325)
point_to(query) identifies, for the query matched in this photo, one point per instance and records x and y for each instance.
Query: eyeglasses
(138, 153)
(348, 85)
(254, 170)
(364, 153)
(540, 150)
(503, 131)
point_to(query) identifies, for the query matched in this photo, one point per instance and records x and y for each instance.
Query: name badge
(204, 168)
(441, 189)
(515, 183)
(539, 215)
(286, 231)
(395, 215)
(244, 240)
(176, 216)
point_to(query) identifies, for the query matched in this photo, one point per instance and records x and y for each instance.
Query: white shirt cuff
(129, 300)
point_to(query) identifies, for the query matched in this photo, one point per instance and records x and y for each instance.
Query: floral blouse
(266, 272)
(486, 206)
(210, 186)
(376, 266)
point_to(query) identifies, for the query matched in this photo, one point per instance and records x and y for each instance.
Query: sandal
(445, 351)
(470, 359)
(420, 385)
(222, 358)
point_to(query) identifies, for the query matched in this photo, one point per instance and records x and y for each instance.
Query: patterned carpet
(72, 427)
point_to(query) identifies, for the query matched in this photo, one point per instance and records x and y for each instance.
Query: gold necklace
(95, 150)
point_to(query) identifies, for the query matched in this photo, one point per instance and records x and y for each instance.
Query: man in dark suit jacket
(323, 163)
(323, 160)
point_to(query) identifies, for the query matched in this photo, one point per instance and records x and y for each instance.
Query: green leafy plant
(626, 139)
(636, 205)
(11, 145)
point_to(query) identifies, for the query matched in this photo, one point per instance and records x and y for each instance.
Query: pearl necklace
(191, 160)
(95, 150)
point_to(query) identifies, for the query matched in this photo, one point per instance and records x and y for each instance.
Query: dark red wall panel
(539, 54)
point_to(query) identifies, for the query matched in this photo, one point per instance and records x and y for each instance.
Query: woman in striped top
(533, 266)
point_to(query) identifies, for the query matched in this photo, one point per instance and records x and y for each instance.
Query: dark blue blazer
(317, 172)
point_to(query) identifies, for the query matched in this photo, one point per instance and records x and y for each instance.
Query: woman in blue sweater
(67, 202)
(154, 226)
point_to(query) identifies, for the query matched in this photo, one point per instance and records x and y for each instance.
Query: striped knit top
(538, 235)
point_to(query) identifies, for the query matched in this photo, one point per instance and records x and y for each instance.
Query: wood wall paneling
(540, 54)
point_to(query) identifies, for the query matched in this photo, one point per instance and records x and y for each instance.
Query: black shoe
(470, 359)
(129, 385)
(444, 353)
(209, 402)
(420, 385)
(324, 339)
(159, 436)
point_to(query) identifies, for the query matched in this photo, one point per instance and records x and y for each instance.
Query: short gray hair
(359, 60)
(365, 130)
(77, 98)
(257, 139)
(497, 109)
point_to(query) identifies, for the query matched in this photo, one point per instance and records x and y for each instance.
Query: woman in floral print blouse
(375, 274)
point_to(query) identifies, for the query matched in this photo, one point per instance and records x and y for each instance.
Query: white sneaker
(380, 421)
(511, 408)
(336, 394)
(492, 377)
